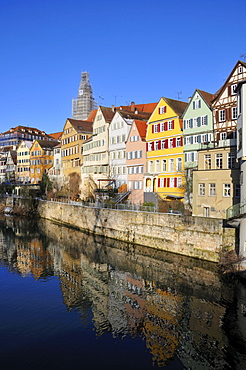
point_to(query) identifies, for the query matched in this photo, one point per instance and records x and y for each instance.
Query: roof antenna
(243, 56)
(179, 93)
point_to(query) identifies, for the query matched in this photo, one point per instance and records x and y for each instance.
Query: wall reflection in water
(179, 306)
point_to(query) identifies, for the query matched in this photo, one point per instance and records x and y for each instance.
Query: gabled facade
(23, 162)
(216, 182)
(96, 151)
(56, 171)
(164, 145)
(75, 132)
(41, 159)
(11, 165)
(225, 107)
(197, 127)
(118, 134)
(136, 161)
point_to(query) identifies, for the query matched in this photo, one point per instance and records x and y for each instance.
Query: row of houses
(164, 150)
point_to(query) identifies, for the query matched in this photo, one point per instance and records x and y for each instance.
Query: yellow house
(164, 150)
(75, 132)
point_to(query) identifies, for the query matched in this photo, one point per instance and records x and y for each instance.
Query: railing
(236, 210)
(123, 207)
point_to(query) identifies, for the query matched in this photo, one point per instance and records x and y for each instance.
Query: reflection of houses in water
(32, 258)
(71, 279)
(163, 311)
(95, 287)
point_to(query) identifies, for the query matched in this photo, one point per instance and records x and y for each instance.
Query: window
(226, 190)
(197, 104)
(156, 145)
(188, 140)
(234, 113)
(179, 182)
(237, 190)
(233, 87)
(162, 126)
(223, 136)
(222, 115)
(157, 166)
(204, 120)
(219, 160)
(162, 110)
(212, 188)
(178, 141)
(201, 189)
(207, 161)
(171, 165)
(151, 166)
(155, 128)
(179, 164)
(240, 69)
(170, 125)
(164, 165)
(170, 143)
(231, 160)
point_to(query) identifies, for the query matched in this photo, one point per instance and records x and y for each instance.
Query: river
(69, 300)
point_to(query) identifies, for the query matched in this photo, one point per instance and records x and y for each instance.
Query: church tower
(85, 103)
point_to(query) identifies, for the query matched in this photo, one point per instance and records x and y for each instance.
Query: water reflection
(181, 307)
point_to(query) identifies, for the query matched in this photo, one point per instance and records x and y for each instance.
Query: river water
(69, 300)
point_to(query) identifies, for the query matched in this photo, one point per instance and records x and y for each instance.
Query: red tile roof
(56, 135)
(81, 126)
(206, 96)
(142, 128)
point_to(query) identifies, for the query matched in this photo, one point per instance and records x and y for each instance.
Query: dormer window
(240, 69)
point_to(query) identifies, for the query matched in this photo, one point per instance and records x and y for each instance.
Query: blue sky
(134, 51)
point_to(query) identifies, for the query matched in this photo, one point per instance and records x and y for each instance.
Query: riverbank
(198, 237)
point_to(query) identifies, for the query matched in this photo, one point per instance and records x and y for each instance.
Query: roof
(108, 113)
(56, 135)
(177, 105)
(133, 115)
(25, 129)
(206, 96)
(92, 115)
(148, 108)
(81, 126)
(47, 143)
(142, 127)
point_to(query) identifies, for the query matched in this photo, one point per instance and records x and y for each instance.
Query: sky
(134, 50)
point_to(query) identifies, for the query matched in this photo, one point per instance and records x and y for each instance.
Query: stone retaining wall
(198, 237)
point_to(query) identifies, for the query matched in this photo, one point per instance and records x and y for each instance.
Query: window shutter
(158, 127)
(152, 129)
(191, 139)
(147, 146)
(159, 144)
(175, 182)
(228, 114)
(168, 182)
(174, 142)
(165, 182)
(194, 105)
(153, 145)
(181, 141)
(229, 90)
(166, 143)
(191, 123)
(217, 116)
(159, 183)
(198, 121)
(165, 126)
(172, 124)
(199, 138)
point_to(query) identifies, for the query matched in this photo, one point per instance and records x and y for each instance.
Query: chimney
(132, 106)
(112, 107)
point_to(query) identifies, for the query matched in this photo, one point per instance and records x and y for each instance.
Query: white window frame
(226, 190)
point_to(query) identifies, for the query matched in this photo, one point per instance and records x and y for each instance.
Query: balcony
(227, 142)
(236, 211)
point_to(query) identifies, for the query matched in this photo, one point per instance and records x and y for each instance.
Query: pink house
(136, 161)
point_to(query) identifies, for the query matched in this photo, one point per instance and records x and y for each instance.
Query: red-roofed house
(136, 161)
